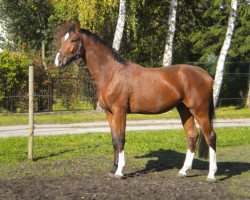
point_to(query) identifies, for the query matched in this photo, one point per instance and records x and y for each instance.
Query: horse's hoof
(111, 175)
(181, 175)
(211, 180)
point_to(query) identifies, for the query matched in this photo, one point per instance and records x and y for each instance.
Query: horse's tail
(203, 147)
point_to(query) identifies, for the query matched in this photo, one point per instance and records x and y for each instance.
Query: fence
(235, 89)
(64, 92)
(53, 93)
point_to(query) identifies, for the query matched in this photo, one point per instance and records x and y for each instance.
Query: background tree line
(199, 35)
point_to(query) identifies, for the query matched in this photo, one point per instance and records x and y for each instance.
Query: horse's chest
(109, 98)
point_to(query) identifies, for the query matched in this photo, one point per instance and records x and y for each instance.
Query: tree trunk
(167, 57)
(224, 50)
(120, 25)
(248, 95)
(44, 56)
(118, 36)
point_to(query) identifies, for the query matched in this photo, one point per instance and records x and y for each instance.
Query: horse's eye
(74, 40)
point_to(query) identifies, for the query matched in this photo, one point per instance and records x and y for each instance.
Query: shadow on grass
(53, 154)
(169, 159)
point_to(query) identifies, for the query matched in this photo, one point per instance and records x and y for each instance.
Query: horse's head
(71, 46)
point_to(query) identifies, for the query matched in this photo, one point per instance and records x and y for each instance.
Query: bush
(14, 79)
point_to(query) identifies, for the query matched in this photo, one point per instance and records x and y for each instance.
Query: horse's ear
(64, 28)
(77, 26)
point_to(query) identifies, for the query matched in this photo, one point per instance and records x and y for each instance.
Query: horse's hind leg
(192, 136)
(204, 120)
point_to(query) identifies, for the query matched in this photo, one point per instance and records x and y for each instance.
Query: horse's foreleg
(120, 159)
(192, 136)
(117, 122)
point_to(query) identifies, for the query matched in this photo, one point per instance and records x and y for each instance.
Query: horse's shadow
(169, 159)
(54, 154)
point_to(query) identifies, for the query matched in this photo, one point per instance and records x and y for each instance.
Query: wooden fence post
(31, 113)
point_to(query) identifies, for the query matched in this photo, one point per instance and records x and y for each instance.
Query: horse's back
(156, 90)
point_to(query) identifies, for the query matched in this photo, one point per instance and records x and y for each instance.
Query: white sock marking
(57, 59)
(188, 163)
(121, 164)
(212, 164)
(66, 36)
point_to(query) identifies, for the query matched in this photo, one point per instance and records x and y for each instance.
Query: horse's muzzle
(59, 62)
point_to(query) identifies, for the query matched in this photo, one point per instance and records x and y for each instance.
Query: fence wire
(79, 93)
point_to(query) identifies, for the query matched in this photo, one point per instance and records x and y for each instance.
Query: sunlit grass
(90, 116)
(14, 150)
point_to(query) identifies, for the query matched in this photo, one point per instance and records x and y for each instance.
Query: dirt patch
(163, 185)
(156, 180)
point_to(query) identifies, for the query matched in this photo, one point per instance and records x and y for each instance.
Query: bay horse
(126, 87)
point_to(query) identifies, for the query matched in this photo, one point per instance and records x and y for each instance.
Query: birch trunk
(224, 50)
(118, 36)
(43, 56)
(248, 95)
(120, 25)
(167, 57)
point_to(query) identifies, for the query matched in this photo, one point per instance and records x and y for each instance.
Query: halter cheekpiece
(76, 54)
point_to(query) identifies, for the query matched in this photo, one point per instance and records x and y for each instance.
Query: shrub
(14, 79)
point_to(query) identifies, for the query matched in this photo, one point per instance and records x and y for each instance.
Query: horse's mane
(95, 37)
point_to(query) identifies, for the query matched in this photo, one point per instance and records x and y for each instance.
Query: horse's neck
(99, 61)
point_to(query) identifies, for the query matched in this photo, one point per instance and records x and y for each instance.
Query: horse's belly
(152, 104)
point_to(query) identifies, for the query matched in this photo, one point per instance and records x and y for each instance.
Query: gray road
(102, 126)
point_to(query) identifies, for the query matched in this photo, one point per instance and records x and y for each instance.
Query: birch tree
(223, 53)
(120, 25)
(248, 95)
(167, 57)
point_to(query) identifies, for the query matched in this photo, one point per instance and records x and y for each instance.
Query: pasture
(76, 166)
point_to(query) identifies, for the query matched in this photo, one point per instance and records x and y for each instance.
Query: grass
(150, 150)
(14, 150)
(89, 116)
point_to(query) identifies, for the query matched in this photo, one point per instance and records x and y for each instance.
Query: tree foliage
(98, 16)
(200, 26)
(13, 70)
(26, 21)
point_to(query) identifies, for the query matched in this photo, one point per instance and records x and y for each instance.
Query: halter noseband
(74, 55)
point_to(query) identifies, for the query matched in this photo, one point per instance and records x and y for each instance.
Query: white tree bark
(248, 95)
(224, 50)
(167, 57)
(43, 56)
(120, 25)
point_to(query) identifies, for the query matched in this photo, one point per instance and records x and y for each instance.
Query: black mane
(95, 37)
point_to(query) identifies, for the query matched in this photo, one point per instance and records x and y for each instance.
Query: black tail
(203, 147)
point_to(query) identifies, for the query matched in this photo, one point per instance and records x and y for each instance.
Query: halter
(74, 55)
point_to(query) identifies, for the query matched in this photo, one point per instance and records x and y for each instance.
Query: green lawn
(145, 150)
(89, 116)
(14, 150)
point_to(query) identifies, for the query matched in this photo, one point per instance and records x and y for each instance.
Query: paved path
(102, 126)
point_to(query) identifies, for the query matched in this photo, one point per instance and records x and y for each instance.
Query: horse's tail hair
(203, 147)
